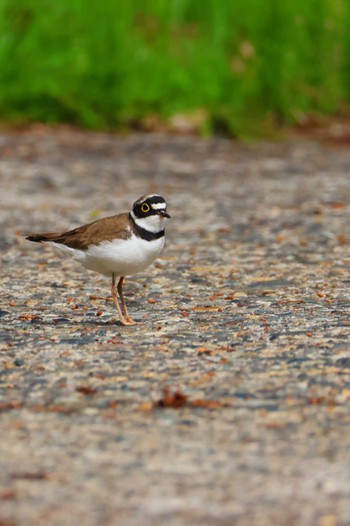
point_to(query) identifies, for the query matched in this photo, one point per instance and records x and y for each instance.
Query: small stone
(18, 362)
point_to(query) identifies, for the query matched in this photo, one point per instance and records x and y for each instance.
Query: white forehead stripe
(158, 206)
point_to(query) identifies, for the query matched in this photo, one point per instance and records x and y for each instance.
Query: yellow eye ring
(145, 208)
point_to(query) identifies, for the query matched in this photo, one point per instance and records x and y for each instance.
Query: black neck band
(145, 234)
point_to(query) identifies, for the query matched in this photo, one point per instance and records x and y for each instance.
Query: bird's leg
(124, 307)
(123, 319)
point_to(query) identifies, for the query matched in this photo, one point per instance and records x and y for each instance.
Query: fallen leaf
(342, 239)
(204, 350)
(207, 404)
(337, 205)
(174, 400)
(86, 390)
(7, 495)
(29, 317)
(316, 400)
(8, 406)
(275, 425)
(216, 295)
(31, 475)
(177, 399)
(147, 406)
(207, 308)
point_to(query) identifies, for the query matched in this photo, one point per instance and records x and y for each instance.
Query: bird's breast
(123, 256)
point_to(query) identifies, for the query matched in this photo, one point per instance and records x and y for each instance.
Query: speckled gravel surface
(246, 321)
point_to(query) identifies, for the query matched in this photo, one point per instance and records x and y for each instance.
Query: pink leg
(124, 307)
(123, 319)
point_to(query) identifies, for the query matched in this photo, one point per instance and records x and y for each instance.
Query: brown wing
(82, 237)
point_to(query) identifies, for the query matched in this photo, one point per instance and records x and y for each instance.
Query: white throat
(153, 223)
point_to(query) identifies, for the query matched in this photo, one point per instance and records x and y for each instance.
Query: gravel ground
(230, 404)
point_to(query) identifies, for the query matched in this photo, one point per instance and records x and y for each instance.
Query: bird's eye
(145, 208)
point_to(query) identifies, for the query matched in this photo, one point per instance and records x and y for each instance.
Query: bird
(116, 246)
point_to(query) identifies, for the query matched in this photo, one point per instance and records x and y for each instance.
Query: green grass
(247, 65)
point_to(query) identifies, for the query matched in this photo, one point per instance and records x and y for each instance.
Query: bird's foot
(129, 321)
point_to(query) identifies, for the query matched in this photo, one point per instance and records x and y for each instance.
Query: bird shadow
(66, 322)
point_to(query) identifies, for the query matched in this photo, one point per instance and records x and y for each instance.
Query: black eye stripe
(153, 202)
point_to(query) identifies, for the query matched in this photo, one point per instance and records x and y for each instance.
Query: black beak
(163, 213)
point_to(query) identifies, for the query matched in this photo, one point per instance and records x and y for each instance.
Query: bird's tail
(46, 236)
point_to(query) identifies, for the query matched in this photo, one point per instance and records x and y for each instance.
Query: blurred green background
(235, 67)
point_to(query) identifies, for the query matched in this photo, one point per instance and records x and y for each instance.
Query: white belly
(121, 257)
